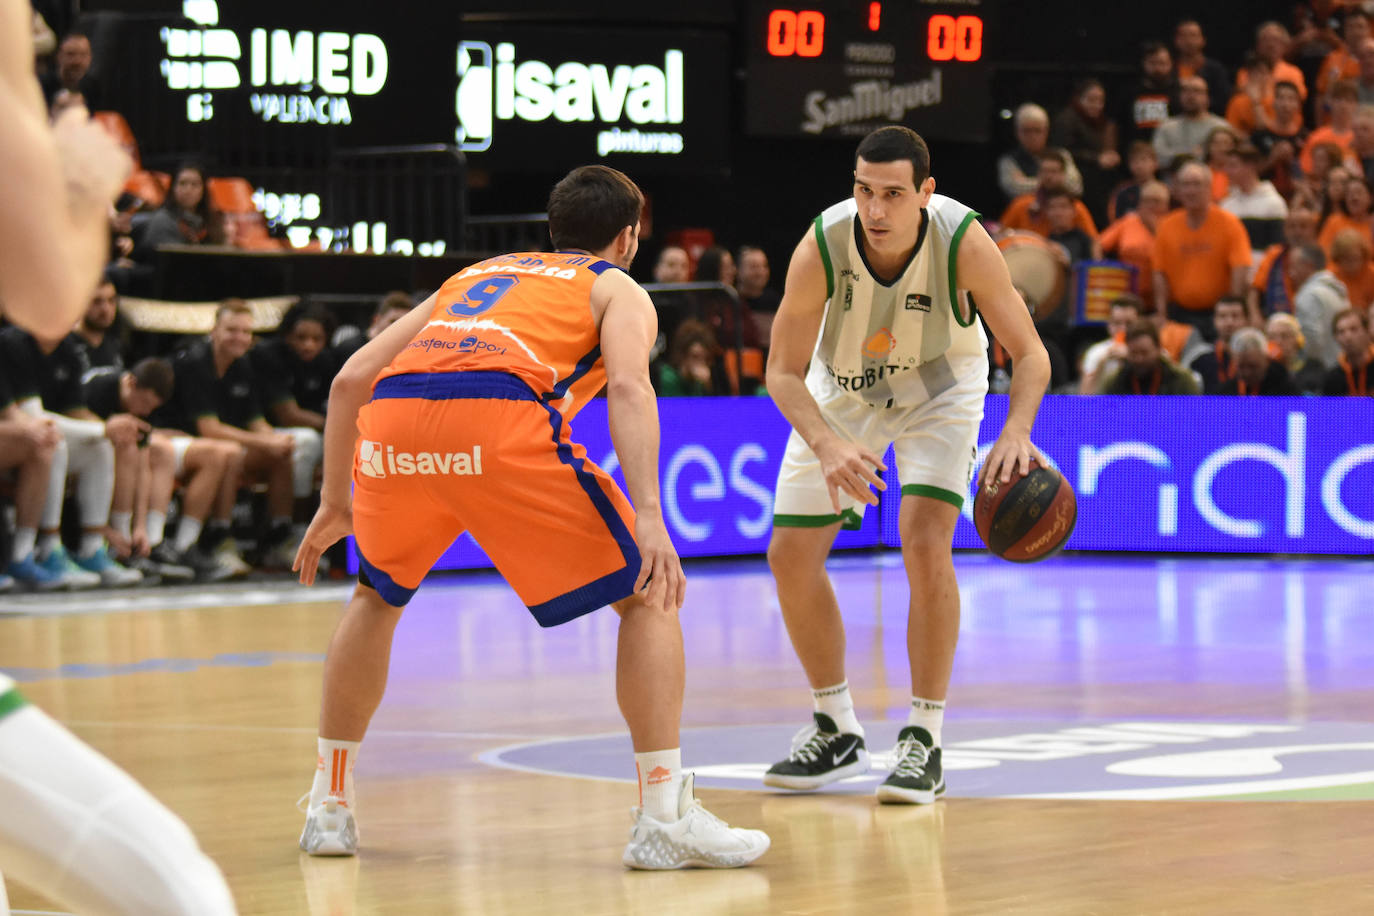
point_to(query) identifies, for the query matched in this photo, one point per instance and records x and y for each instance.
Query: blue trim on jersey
(393, 594)
(611, 587)
(444, 386)
(584, 365)
(600, 267)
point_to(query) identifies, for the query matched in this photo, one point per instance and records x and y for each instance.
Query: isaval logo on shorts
(380, 461)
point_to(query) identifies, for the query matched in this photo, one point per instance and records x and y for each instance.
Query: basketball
(1028, 518)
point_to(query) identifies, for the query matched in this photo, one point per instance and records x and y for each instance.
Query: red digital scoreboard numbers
(842, 68)
(802, 32)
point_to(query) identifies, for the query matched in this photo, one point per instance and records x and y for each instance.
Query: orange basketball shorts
(443, 453)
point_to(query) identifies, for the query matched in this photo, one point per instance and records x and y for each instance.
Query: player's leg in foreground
(80, 830)
(927, 529)
(671, 828)
(832, 748)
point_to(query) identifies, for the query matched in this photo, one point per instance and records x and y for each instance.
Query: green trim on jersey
(11, 701)
(825, 258)
(954, 273)
(940, 493)
(852, 520)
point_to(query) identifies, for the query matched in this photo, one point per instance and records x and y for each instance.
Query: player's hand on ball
(661, 580)
(850, 467)
(329, 524)
(1011, 451)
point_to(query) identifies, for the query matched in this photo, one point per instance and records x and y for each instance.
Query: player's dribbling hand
(1011, 452)
(850, 467)
(329, 524)
(660, 580)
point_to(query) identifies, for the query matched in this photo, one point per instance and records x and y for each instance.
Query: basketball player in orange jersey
(455, 419)
(72, 824)
(877, 342)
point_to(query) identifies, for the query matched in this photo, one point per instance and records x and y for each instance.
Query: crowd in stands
(1237, 193)
(1240, 197)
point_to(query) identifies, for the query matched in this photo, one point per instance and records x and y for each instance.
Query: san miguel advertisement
(1181, 474)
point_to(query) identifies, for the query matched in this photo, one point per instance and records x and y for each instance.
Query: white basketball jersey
(898, 343)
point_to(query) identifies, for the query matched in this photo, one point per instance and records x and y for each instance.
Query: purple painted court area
(1156, 677)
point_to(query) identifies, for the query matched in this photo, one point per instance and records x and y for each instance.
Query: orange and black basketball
(1029, 517)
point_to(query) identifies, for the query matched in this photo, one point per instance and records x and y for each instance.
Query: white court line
(1257, 786)
(39, 913)
(174, 598)
(310, 730)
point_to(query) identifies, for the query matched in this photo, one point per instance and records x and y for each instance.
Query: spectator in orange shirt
(1028, 210)
(1247, 102)
(1362, 140)
(1364, 82)
(1131, 239)
(1350, 262)
(1342, 101)
(1341, 64)
(1271, 46)
(1271, 291)
(1351, 212)
(1201, 253)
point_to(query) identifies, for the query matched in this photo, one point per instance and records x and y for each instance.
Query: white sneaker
(330, 829)
(697, 839)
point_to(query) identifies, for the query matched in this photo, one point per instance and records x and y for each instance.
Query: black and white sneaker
(917, 777)
(821, 754)
(167, 565)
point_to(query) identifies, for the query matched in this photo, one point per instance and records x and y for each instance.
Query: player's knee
(926, 545)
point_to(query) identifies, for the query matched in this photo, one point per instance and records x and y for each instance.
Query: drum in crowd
(1038, 269)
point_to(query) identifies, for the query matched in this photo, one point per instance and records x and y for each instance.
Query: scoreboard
(841, 68)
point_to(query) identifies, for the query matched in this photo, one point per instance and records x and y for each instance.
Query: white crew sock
(156, 526)
(91, 541)
(47, 540)
(928, 714)
(836, 703)
(334, 771)
(188, 532)
(660, 783)
(123, 524)
(24, 541)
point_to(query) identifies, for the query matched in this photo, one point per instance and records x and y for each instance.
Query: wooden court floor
(210, 700)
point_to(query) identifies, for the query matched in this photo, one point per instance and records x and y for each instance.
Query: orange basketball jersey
(527, 314)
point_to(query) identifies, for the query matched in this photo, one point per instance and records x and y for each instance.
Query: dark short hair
(232, 306)
(394, 301)
(1312, 254)
(1142, 328)
(1248, 153)
(1340, 316)
(307, 311)
(591, 206)
(889, 144)
(1289, 84)
(1345, 89)
(1056, 153)
(155, 375)
(1140, 148)
(1230, 300)
(1128, 301)
(1150, 48)
(1058, 193)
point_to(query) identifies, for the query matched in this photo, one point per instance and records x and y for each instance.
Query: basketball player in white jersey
(72, 824)
(882, 301)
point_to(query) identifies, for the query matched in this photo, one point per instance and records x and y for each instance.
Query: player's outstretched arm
(847, 466)
(1010, 322)
(629, 325)
(55, 197)
(351, 389)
